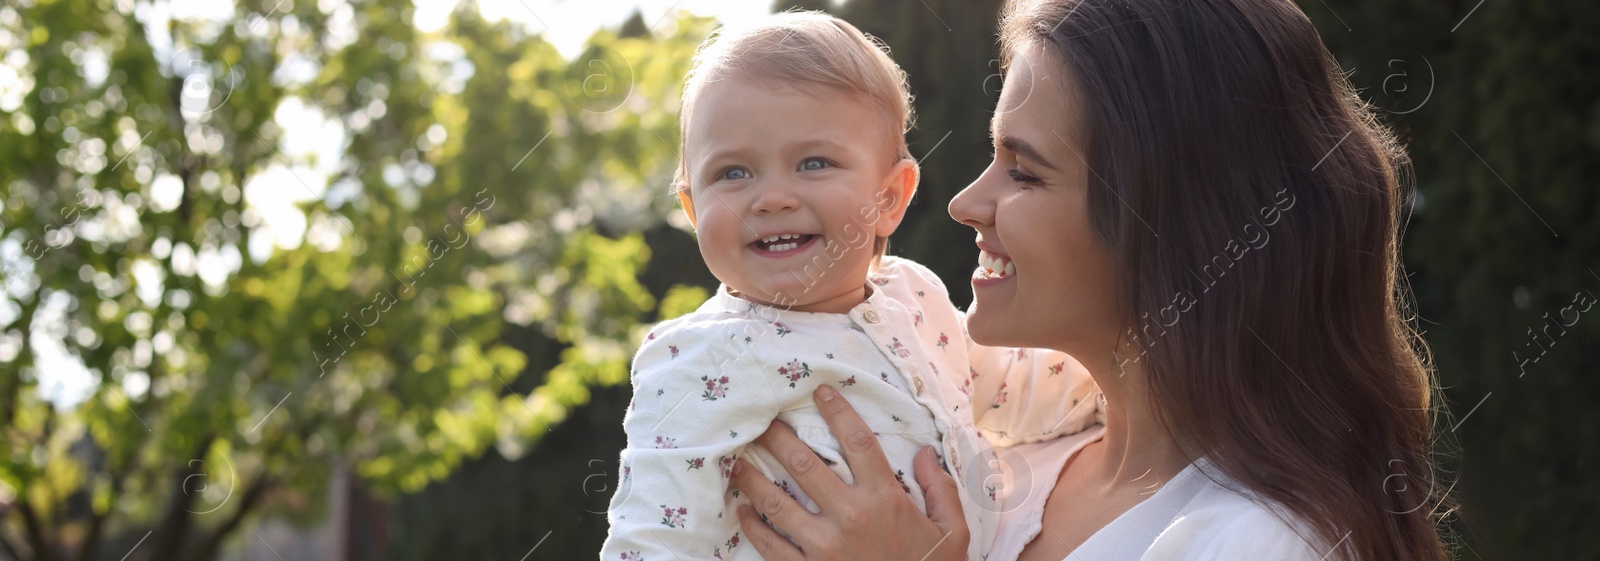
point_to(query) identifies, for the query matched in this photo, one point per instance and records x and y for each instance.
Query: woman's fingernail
(826, 393)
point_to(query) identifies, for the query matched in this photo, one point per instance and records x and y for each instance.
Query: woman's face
(1052, 283)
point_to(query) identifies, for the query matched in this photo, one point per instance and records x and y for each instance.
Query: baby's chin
(797, 284)
(796, 291)
(775, 291)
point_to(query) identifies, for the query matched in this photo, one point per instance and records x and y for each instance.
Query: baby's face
(789, 189)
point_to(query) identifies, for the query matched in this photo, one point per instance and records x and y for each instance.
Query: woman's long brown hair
(1252, 203)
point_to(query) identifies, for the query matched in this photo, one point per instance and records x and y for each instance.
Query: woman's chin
(988, 331)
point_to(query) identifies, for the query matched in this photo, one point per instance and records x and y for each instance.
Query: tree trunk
(169, 537)
(207, 550)
(35, 537)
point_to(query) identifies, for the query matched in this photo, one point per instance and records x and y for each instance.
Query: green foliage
(255, 306)
(1502, 124)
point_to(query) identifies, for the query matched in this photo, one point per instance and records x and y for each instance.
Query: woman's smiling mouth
(994, 265)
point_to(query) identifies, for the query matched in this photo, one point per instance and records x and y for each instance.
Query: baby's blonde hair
(801, 49)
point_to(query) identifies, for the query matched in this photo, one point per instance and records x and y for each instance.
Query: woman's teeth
(991, 266)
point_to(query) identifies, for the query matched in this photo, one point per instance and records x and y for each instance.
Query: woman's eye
(735, 174)
(1023, 178)
(813, 164)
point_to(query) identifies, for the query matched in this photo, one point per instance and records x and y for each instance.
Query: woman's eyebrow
(1020, 146)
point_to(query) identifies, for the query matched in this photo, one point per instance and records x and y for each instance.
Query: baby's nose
(775, 199)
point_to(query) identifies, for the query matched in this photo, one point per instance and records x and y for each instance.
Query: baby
(794, 171)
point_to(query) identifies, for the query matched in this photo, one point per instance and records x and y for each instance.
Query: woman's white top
(705, 385)
(1199, 515)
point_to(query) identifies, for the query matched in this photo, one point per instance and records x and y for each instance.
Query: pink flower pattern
(673, 517)
(631, 556)
(943, 341)
(794, 371)
(1000, 397)
(697, 463)
(1056, 368)
(666, 442)
(716, 388)
(899, 349)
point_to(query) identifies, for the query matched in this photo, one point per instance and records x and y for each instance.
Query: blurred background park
(360, 280)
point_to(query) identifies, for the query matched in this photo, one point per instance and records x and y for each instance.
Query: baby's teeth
(1011, 268)
(780, 237)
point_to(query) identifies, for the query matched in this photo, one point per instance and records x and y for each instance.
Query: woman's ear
(895, 195)
(688, 206)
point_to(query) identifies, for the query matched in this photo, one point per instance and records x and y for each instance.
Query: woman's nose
(971, 207)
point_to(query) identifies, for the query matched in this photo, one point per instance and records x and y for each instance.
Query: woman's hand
(872, 519)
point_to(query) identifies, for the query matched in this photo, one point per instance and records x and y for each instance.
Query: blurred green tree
(230, 223)
(1502, 249)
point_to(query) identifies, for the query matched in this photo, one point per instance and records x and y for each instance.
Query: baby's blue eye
(813, 164)
(735, 174)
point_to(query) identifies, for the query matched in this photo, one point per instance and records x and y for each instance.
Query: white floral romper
(708, 383)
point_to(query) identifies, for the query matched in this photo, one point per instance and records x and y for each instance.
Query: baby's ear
(899, 185)
(688, 205)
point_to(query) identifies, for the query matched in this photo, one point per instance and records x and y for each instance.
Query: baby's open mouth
(782, 242)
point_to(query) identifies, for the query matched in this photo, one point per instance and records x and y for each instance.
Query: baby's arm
(1030, 395)
(691, 415)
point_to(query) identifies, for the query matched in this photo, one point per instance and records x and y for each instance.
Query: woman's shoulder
(1224, 522)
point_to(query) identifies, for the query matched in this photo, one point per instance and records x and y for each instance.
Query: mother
(1201, 211)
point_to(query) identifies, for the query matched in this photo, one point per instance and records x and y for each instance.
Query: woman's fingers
(802, 464)
(943, 500)
(860, 445)
(766, 540)
(771, 501)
